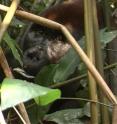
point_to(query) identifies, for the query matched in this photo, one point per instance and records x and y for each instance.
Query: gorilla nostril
(31, 54)
(37, 58)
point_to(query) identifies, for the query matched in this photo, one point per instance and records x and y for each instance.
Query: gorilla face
(34, 59)
(42, 47)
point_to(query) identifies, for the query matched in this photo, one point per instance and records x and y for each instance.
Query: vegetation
(62, 93)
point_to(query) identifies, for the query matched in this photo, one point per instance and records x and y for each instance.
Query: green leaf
(107, 37)
(15, 91)
(68, 116)
(45, 76)
(67, 66)
(13, 46)
(60, 71)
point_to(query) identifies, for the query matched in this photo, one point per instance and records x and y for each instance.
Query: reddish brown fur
(71, 14)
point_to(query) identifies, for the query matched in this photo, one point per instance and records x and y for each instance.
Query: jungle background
(59, 93)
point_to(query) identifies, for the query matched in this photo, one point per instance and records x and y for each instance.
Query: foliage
(15, 91)
(70, 116)
(14, 47)
(59, 72)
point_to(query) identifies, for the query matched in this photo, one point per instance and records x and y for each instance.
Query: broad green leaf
(45, 76)
(13, 46)
(70, 116)
(66, 66)
(15, 91)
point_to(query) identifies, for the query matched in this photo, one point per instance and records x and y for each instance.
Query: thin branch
(99, 62)
(19, 115)
(87, 100)
(60, 84)
(81, 99)
(89, 39)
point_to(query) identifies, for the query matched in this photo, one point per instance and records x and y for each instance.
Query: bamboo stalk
(99, 62)
(10, 13)
(89, 38)
(114, 115)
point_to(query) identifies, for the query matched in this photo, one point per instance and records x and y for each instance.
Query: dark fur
(40, 39)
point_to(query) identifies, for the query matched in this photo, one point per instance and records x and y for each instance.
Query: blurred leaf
(67, 66)
(86, 109)
(15, 91)
(16, 22)
(13, 46)
(45, 76)
(107, 37)
(36, 112)
(69, 116)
